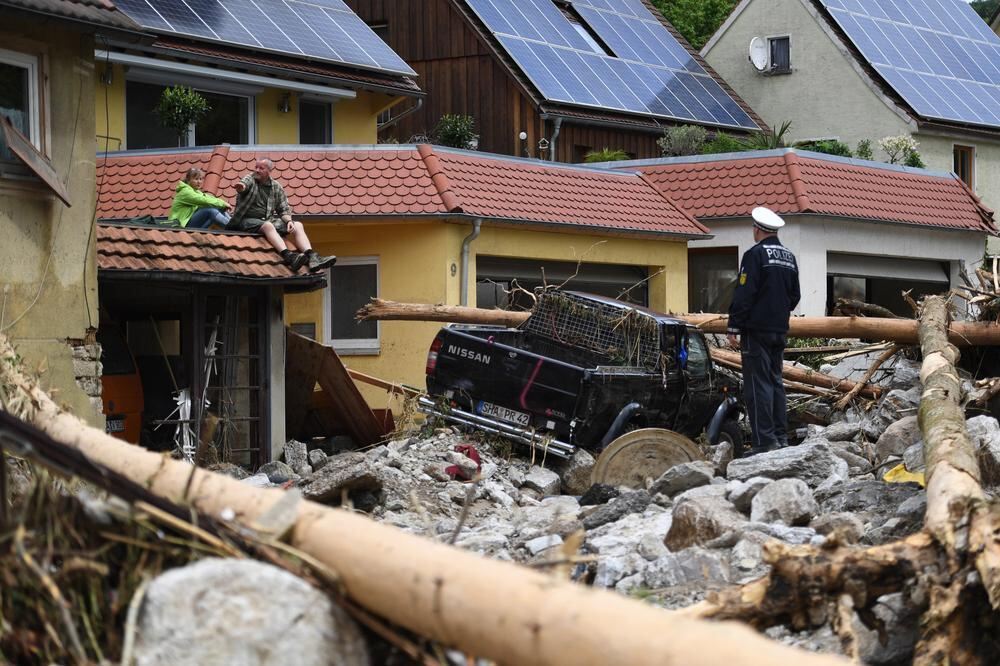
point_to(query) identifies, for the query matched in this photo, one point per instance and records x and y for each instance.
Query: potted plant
(178, 108)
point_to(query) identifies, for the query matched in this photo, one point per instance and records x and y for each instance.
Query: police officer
(767, 291)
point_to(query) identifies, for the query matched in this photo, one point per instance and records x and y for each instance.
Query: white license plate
(503, 413)
(115, 425)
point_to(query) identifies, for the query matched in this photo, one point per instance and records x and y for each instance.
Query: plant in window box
(179, 108)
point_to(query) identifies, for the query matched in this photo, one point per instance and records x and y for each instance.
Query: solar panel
(317, 29)
(938, 55)
(648, 71)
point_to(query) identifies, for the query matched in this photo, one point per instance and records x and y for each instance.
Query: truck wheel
(642, 455)
(732, 432)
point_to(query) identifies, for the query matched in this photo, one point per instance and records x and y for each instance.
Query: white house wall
(828, 95)
(812, 237)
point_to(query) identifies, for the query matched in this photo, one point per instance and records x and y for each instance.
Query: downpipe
(463, 287)
(728, 407)
(627, 412)
(555, 137)
(460, 416)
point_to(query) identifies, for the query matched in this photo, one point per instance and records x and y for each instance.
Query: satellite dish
(758, 53)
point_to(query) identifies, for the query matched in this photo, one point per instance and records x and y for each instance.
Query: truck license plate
(115, 425)
(503, 413)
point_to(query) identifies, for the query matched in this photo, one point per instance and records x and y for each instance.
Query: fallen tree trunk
(802, 376)
(484, 607)
(949, 572)
(904, 331)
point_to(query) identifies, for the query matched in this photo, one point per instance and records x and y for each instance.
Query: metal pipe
(395, 119)
(555, 137)
(462, 417)
(463, 296)
(627, 412)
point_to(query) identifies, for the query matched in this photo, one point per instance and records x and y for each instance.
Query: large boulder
(347, 472)
(699, 520)
(811, 462)
(873, 500)
(575, 473)
(683, 477)
(222, 611)
(630, 502)
(984, 431)
(896, 438)
(786, 501)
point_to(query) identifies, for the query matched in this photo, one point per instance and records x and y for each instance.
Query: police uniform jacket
(767, 289)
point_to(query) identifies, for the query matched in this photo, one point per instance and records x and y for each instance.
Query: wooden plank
(302, 362)
(398, 389)
(351, 408)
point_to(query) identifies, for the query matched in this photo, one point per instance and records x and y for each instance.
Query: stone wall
(87, 370)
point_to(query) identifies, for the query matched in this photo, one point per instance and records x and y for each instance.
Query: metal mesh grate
(623, 335)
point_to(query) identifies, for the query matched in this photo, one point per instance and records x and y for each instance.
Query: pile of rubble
(699, 527)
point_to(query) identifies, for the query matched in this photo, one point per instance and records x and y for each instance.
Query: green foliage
(898, 148)
(829, 147)
(913, 160)
(605, 155)
(697, 20)
(985, 8)
(812, 360)
(456, 131)
(179, 107)
(683, 140)
(723, 143)
(768, 139)
(864, 149)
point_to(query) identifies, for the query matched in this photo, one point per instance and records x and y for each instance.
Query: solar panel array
(937, 54)
(649, 73)
(320, 29)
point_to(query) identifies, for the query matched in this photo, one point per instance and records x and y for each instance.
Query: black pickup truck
(581, 371)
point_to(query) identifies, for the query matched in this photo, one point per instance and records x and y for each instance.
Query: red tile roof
(419, 180)
(197, 254)
(790, 181)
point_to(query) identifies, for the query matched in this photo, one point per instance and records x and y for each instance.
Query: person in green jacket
(194, 209)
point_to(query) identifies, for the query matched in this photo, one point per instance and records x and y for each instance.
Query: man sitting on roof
(261, 206)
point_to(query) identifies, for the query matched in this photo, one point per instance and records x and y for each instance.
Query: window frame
(147, 77)
(958, 148)
(33, 64)
(771, 68)
(352, 346)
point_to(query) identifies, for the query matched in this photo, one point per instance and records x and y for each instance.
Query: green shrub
(723, 143)
(456, 131)
(864, 150)
(829, 147)
(913, 160)
(605, 155)
(179, 107)
(683, 140)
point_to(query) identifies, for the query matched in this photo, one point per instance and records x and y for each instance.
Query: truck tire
(642, 455)
(732, 432)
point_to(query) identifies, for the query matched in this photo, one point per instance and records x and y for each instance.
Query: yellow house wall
(354, 120)
(48, 276)
(416, 261)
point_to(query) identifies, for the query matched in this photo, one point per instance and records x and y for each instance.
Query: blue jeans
(203, 218)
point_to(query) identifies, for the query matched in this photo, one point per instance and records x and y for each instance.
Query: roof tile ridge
(216, 163)
(440, 179)
(673, 203)
(985, 212)
(795, 178)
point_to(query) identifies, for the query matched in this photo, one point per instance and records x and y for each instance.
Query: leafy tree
(683, 140)
(697, 20)
(605, 155)
(985, 8)
(456, 131)
(179, 107)
(864, 150)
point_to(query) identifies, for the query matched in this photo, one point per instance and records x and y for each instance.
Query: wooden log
(487, 608)
(883, 357)
(811, 377)
(903, 331)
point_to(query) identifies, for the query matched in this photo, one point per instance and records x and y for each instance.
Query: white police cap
(766, 219)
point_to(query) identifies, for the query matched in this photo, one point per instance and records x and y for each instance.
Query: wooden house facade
(465, 70)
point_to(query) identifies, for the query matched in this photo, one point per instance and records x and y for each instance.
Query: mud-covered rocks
(811, 462)
(786, 501)
(699, 520)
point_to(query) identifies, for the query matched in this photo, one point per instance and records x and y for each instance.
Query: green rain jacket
(188, 200)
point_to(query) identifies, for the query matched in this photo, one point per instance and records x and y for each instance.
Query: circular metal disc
(642, 455)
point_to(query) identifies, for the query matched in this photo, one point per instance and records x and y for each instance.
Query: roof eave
(296, 284)
(131, 34)
(709, 220)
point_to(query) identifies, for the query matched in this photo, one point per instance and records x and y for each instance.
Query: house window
(353, 282)
(227, 121)
(780, 55)
(965, 163)
(315, 122)
(19, 99)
